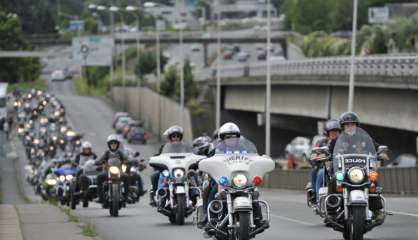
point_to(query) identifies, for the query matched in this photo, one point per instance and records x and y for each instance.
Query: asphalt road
(291, 219)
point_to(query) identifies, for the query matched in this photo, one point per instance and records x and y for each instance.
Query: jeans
(319, 182)
(314, 174)
(154, 180)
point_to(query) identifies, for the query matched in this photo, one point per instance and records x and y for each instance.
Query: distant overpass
(308, 91)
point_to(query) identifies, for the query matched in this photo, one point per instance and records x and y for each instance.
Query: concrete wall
(143, 104)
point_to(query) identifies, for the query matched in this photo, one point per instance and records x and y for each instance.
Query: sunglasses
(229, 136)
(175, 136)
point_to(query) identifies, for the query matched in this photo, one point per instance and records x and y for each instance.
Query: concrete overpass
(305, 92)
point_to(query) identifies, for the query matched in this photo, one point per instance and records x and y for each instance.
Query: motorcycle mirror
(382, 148)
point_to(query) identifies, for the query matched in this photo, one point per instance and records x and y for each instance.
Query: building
(241, 9)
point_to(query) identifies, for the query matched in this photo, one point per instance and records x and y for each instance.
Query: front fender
(357, 197)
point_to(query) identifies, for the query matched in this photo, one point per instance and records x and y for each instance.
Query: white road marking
(404, 214)
(293, 220)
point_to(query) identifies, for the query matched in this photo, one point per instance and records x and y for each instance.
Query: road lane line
(404, 214)
(293, 220)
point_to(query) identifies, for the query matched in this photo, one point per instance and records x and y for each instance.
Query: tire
(355, 227)
(181, 209)
(243, 231)
(114, 205)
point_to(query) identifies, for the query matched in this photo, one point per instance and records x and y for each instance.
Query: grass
(84, 89)
(37, 84)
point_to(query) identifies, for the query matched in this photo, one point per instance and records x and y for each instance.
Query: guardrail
(381, 65)
(393, 180)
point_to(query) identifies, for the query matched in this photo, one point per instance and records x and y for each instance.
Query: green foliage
(170, 86)
(13, 70)
(147, 63)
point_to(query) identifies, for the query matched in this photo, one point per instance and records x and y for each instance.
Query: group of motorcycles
(350, 200)
(237, 212)
(51, 146)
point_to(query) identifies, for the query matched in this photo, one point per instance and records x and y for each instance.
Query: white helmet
(229, 128)
(113, 138)
(86, 145)
(172, 130)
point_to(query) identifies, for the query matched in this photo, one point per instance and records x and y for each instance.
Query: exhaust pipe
(162, 192)
(333, 202)
(215, 206)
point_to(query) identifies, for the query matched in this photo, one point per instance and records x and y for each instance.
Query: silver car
(121, 123)
(300, 148)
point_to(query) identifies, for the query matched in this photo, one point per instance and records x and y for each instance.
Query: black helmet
(349, 117)
(332, 125)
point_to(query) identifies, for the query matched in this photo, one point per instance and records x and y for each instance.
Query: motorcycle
(237, 211)
(89, 172)
(65, 176)
(353, 201)
(173, 195)
(114, 185)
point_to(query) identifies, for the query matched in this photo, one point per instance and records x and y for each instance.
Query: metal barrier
(393, 180)
(382, 65)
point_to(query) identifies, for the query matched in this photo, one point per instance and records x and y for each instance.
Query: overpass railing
(374, 65)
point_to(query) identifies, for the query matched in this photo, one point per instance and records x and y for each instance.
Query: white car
(243, 56)
(299, 148)
(58, 75)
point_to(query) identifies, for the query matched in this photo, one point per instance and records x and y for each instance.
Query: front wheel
(355, 226)
(244, 226)
(114, 206)
(181, 209)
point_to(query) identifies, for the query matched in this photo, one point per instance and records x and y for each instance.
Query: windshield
(358, 143)
(235, 146)
(137, 130)
(177, 148)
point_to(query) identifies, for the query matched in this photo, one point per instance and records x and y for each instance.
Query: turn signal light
(373, 176)
(339, 189)
(257, 181)
(372, 190)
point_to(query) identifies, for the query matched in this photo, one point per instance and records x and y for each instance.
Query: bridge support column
(205, 54)
(284, 48)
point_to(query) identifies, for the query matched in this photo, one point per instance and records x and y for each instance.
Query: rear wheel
(244, 226)
(181, 209)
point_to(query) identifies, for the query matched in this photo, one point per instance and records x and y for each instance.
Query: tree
(147, 63)
(170, 87)
(13, 70)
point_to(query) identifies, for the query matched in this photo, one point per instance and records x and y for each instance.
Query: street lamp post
(353, 55)
(133, 9)
(268, 81)
(180, 27)
(218, 69)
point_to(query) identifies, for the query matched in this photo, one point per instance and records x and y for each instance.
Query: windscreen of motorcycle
(114, 162)
(355, 147)
(177, 148)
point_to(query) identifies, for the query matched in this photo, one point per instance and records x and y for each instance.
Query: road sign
(93, 51)
(378, 14)
(76, 26)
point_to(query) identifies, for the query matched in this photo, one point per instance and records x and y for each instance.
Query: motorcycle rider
(349, 122)
(113, 144)
(332, 131)
(80, 159)
(174, 134)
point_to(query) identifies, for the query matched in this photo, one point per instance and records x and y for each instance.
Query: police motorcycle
(175, 196)
(86, 177)
(113, 197)
(237, 212)
(353, 200)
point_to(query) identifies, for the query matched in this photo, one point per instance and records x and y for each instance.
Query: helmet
(201, 145)
(173, 130)
(349, 117)
(215, 134)
(113, 138)
(332, 125)
(229, 128)
(86, 145)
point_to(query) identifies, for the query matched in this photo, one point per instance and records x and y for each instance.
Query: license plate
(180, 189)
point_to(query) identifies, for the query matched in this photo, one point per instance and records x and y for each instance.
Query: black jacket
(108, 154)
(77, 158)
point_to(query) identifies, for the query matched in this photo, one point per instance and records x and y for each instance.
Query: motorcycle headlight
(78, 142)
(51, 182)
(178, 173)
(36, 141)
(62, 178)
(54, 138)
(43, 130)
(114, 170)
(69, 177)
(133, 169)
(124, 168)
(356, 175)
(20, 130)
(62, 141)
(71, 134)
(240, 180)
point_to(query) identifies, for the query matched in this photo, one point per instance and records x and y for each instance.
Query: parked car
(236, 48)
(195, 48)
(299, 148)
(117, 116)
(261, 55)
(68, 75)
(137, 134)
(121, 123)
(58, 75)
(127, 128)
(243, 56)
(228, 54)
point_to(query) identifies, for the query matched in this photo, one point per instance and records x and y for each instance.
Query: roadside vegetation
(38, 84)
